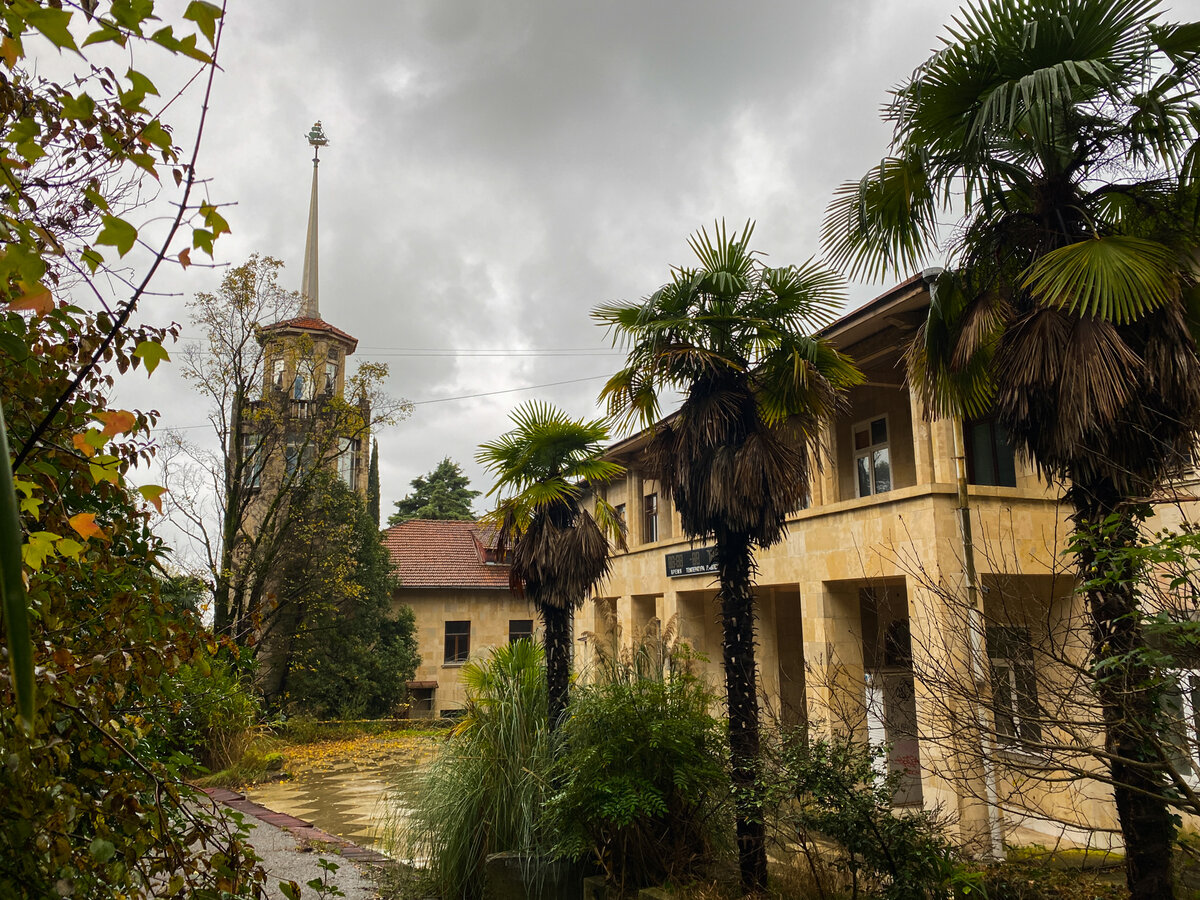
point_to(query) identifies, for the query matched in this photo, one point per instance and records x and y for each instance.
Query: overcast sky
(496, 168)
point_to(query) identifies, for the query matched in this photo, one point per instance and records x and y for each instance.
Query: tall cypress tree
(373, 484)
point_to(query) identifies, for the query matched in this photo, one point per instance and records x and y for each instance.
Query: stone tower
(305, 370)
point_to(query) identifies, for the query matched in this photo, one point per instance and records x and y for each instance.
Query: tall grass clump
(485, 790)
(641, 785)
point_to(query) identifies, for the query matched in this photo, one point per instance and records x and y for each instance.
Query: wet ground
(355, 789)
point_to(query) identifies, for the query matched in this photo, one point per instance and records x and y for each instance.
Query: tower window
(252, 461)
(277, 367)
(347, 462)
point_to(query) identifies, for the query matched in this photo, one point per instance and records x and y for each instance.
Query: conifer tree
(444, 493)
(373, 484)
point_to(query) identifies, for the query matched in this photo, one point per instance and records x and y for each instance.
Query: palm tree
(1062, 134)
(559, 550)
(734, 336)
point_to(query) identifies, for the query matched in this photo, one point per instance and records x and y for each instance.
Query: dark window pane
(990, 457)
(879, 432)
(1006, 459)
(1027, 704)
(864, 476)
(862, 439)
(980, 453)
(458, 642)
(519, 628)
(1002, 700)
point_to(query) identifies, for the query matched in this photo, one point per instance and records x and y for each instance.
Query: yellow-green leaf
(53, 24)
(117, 233)
(105, 468)
(205, 16)
(153, 494)
(151, 353)
(38, 548)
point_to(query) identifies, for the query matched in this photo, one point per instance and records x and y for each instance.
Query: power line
(531, 387)
(470, 352)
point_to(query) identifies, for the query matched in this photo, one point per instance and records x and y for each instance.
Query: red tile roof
(310, 324)
(442, 554)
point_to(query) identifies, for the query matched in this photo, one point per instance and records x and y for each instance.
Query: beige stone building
(865, 623)
(460, 598)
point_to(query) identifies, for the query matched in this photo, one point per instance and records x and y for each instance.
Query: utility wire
(531, 387)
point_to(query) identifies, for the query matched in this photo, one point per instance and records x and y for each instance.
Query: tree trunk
(556, 622)
(735, 568)
(1131, 704)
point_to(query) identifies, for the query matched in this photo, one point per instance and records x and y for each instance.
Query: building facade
(459, 594)
(869, 622)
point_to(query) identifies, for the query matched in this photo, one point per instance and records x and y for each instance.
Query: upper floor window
(650, 518)
(458, 642)
(990, 457)
(331, 372)
(277, 367)
(252, 461)
(302, 387)
(872, 457)
(519, 628)
(298, 454)
(347, 461)
(1014, 683)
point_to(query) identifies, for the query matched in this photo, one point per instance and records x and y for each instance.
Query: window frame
(650, 517)
(332, 367)
(868, 452)
(517, 635)
(995, 430)
(347, 462)
(1187, 690)
(253, 461)
(461, 643)
(1018, 677)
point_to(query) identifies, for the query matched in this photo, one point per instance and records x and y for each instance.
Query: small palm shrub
(486, 789)
(833, 794)
(640, 785)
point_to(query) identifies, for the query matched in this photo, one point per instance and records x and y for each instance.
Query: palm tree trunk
(1130, 702)
(556, 622)
(735, 568)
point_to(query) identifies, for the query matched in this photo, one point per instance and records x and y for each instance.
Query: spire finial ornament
(310, 307)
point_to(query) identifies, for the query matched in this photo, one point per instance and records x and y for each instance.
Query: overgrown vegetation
(345, 654)
(836, 809)
(88, 804)
(487, 789)
(640, 787)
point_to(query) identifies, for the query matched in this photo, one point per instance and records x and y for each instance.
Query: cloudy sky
(498, 167)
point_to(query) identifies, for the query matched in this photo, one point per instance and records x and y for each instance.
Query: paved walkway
(286, 845)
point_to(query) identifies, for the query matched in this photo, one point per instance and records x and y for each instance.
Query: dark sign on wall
(691, 562)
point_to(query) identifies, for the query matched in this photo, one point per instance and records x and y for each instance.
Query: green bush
(641, 783)
(833, 794)
(213, 712)
(486, 791)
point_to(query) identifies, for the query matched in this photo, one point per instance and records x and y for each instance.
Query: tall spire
(309, 288)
